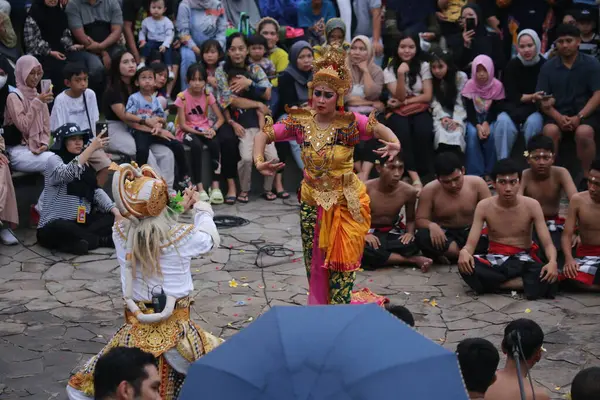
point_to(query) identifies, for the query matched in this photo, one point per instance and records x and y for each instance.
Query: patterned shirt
(224, 94)
(58, 204)
(35, 43)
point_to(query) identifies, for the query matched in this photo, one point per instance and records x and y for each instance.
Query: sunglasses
(322, 93)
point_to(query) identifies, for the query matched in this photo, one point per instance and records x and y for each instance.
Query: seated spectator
(78, 105)
(230, 95)
(269, 29)
(144, 105)
(131, 366)
(417, 17)
(234, 9)
(449, 113)
(196, 130)
(522, 101)
(478, 41)
(120, 87)
(571, 79)
(26, 119)
(368, 23)
(157, 33)
(335, 32)
(525, 337)
(257, 50)
(408, 79)
(478, 360)
(586, 384)
(390, 241)
(48, 38)
(71, 194)
(482, 97)
(530, 15)
(449, 16)
(97, 26)
(590, 39)
(8, 37)
(312, 16)
(161, 74)
(211, 54)
(9, 214)
(198, 21)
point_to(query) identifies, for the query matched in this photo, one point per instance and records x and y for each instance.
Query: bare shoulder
(409, 190)
(559, 171)
(431, 188)
(371, 183)
(579, 198)
(476, 181)
(484, 204)
(530, 202)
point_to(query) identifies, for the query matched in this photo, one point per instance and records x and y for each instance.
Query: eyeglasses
(511, 182)
(322, 93)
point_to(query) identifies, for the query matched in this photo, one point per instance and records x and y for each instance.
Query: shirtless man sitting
(545, 182)
(446, 209)
(584, 212)
(389, 243)
(511, 261)
(531, 337)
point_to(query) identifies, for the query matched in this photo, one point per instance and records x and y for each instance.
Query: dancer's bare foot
(422, 262)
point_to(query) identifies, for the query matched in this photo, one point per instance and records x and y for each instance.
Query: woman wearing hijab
(9, 215)
(71, 193)
(483, 96)
(521, 105)
(367, 77)
(478, 40)
(198, 21)
(335, 33)
(48, 38)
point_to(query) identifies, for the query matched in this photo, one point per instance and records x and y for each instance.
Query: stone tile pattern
(56, 310)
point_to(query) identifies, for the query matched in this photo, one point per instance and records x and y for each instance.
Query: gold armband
(372, 122)
(268, 129)
(259, 159)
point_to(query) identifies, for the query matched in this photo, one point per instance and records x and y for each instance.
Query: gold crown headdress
(139, 192)
(331, 69)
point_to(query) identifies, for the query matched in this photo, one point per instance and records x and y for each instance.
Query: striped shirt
(57, 204)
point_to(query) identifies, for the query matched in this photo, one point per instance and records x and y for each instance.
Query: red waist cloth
(507, 250)
(584, 250)
(557, 220)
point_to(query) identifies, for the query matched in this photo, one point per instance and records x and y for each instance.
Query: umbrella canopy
(326, 352)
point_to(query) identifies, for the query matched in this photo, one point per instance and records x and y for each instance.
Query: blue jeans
(150, 45)
(188, 57)
(506, 132)
(480, 155)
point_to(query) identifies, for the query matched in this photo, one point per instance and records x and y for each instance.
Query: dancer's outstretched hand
(389, 150)
(269, 168)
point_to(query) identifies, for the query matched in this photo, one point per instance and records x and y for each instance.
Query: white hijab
(538, 46)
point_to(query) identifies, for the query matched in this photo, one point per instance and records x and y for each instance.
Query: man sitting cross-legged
(545, 182)
(388, 243)
(584, 212)
(511, 262)
(446, 209)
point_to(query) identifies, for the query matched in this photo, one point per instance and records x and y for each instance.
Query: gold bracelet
(259, 159)
(138, 312)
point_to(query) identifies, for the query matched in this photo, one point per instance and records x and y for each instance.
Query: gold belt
(327, 190)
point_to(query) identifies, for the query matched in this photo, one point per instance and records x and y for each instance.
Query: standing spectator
(229, 95)
(586, 384)
(97, 26)
(482, 97)
(478, 40)
(572, 80)
(312, 16)
(71, 193)
(368, 23)
(478, 360)
(198, 21)
(234, 8)
(157, 33)
(449, 113)
(120, 87)
(78, 105)
(283, 11)
(8, 203)
(408, 79)
(48, 38)
(269, 29)
(28, 117)
(522, 100)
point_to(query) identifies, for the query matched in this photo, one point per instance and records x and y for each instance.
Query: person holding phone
(477, 40)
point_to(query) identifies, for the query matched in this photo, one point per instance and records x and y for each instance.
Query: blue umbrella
(326, 352)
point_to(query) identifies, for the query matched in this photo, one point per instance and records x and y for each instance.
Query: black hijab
(52, 22)
(85, 186)
(301, 78)
(480, 30)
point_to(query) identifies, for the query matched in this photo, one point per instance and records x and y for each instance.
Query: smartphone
(100, 126)
(470, 24)
(46, 85)
(547, 96)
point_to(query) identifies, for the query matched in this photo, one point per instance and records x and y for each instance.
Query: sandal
(216, 196)
(268, 196)
(230, 200)
(243, 198)
(283, 195)
(204, 196)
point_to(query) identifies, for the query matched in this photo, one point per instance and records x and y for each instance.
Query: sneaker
(8, 238)
(204, 196)
(141, 65)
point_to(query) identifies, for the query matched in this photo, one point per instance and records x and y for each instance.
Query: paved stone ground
(56, 310)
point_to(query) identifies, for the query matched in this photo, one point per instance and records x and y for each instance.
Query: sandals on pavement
(269, 196)
(243, 197)
(283, 195)
(204, 196)
(230, 200)
(215, 196)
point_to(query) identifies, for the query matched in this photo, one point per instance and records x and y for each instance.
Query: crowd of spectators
(465, 76)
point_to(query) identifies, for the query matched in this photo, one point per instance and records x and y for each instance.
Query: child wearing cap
(590, 40)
